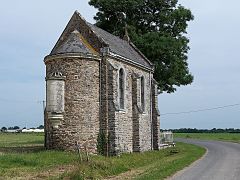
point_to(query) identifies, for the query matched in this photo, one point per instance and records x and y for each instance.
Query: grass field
(21, 139)
(23, 156)
(231, 137)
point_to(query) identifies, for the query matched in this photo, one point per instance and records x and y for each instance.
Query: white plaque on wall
(55, 96)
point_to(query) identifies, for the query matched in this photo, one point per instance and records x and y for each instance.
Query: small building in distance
(32, 130)
(99, 86)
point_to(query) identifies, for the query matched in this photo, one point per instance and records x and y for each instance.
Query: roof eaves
(124, 59)
(72, 55)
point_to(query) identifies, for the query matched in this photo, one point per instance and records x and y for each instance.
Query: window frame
(121, 88)
(142, 93)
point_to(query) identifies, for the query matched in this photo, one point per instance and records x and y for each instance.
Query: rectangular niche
(55, 96)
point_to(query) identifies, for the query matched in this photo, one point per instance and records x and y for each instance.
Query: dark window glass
(142, 93)
(121, 88)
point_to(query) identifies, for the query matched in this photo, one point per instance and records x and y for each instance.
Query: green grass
(148, 165)
(17, 165)
(24, 156)
(23, 153)
(21, 139)
(231, 137)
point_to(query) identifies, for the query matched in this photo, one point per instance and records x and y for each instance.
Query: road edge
(178, 173)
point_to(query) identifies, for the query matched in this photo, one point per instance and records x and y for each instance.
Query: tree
(40, 127)
(4, 129)
(158, 29)
(16, 127)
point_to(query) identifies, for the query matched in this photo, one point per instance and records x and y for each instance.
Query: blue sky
(29, 30)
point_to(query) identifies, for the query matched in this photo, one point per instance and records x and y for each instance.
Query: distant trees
(40, 127)
(17, 127)
(3, 128)
(14, 128)
(214, 130)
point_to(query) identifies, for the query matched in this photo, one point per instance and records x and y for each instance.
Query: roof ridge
(71, 26)
(58, 43)
(99, 39)
(105, 31)
(135, 47)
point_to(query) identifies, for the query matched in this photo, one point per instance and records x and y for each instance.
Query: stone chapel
(99, 83)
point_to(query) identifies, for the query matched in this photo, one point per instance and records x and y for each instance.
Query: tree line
(17, 127)
(194, 130)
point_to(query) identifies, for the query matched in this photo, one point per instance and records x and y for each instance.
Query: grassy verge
(148, 165)
(231, 137)
(25, 158)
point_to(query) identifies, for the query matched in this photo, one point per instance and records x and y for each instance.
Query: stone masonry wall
(81, 117)
(131, 125)
(156, 117)
(107, 115)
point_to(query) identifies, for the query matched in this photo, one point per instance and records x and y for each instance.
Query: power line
(16, 101)
(164, 114)
(201, 110)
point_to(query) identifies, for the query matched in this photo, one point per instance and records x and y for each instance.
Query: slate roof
(71, 42)
(120, 46)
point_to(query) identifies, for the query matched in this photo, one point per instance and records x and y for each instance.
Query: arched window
(142, 94)
(121, 88)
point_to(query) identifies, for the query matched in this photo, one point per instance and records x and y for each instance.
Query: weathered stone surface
(131, 126)
(83, 93)
(81, 114)
(155, 117)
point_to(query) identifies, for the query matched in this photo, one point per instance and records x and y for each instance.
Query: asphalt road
(222, 162)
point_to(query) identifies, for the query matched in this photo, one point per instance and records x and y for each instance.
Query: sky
(29, 29)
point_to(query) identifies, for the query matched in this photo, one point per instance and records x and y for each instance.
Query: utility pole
(45, 133)
(43, 104)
